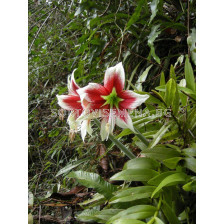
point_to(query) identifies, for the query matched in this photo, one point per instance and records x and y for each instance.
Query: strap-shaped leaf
(106, 214)
(141, 163)
(170, 215)
(135, 175)
(93, 180)
(161, 152)
(159, 135)
(189, 75)
(132, 193)
(135, 212)
(171, 180)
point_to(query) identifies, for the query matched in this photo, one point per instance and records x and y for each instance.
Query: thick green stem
(141, 137)
(126, 151)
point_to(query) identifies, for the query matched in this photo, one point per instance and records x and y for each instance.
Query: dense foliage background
(154, 40)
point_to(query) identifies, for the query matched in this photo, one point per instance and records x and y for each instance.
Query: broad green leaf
(30, 219)
(170, 215)
(189, 75)
(71, 166)
(141, 163)
(161, 153)
(189, 151)
(190, 163)
(136, 14)
(142, 78)
(93, 180)
(135, 212)
(88, 215)
(173, 179)
(106, 214)
(132, 193)
(159, 135)
(135, 175)
(159, 178)
(172, 162)
(154, 8)
(158, 221)
(128, 221)
(190, 186)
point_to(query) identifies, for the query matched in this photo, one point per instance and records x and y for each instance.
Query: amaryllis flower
(110, 101)
(72, 102)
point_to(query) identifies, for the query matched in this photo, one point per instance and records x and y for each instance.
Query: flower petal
(73, 123)
(72, 85)
(104, 133)
(115, 77)
(86, 127)
(123, 120)
(92, 92)
(131, 100)
(69, 102)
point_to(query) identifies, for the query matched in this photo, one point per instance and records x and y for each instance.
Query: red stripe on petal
(69, 102)
(128, 100)
(95, 91)
(114, 81)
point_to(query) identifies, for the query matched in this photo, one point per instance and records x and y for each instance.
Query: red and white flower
(72, 102)
(110, 101)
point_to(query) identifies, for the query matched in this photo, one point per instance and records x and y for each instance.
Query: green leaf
(189, 151)
(128, 221)
(172, 162)
(136, 14)
(71, 166)
(97, 198)
(158, 179)
(157, 96)
(189, 75)
(172, 73)
(159, 135)
(172, 95)
(162, 79)
(158, 221)
(88, 215)
(135, 212)
(93, 180)
(106, 214)
(135, 175)
(190, 186)
(170, 215)
(161, 153)
(173, 179)
(132, 193)
(154, 9)
(141, 163)
(190, 163)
